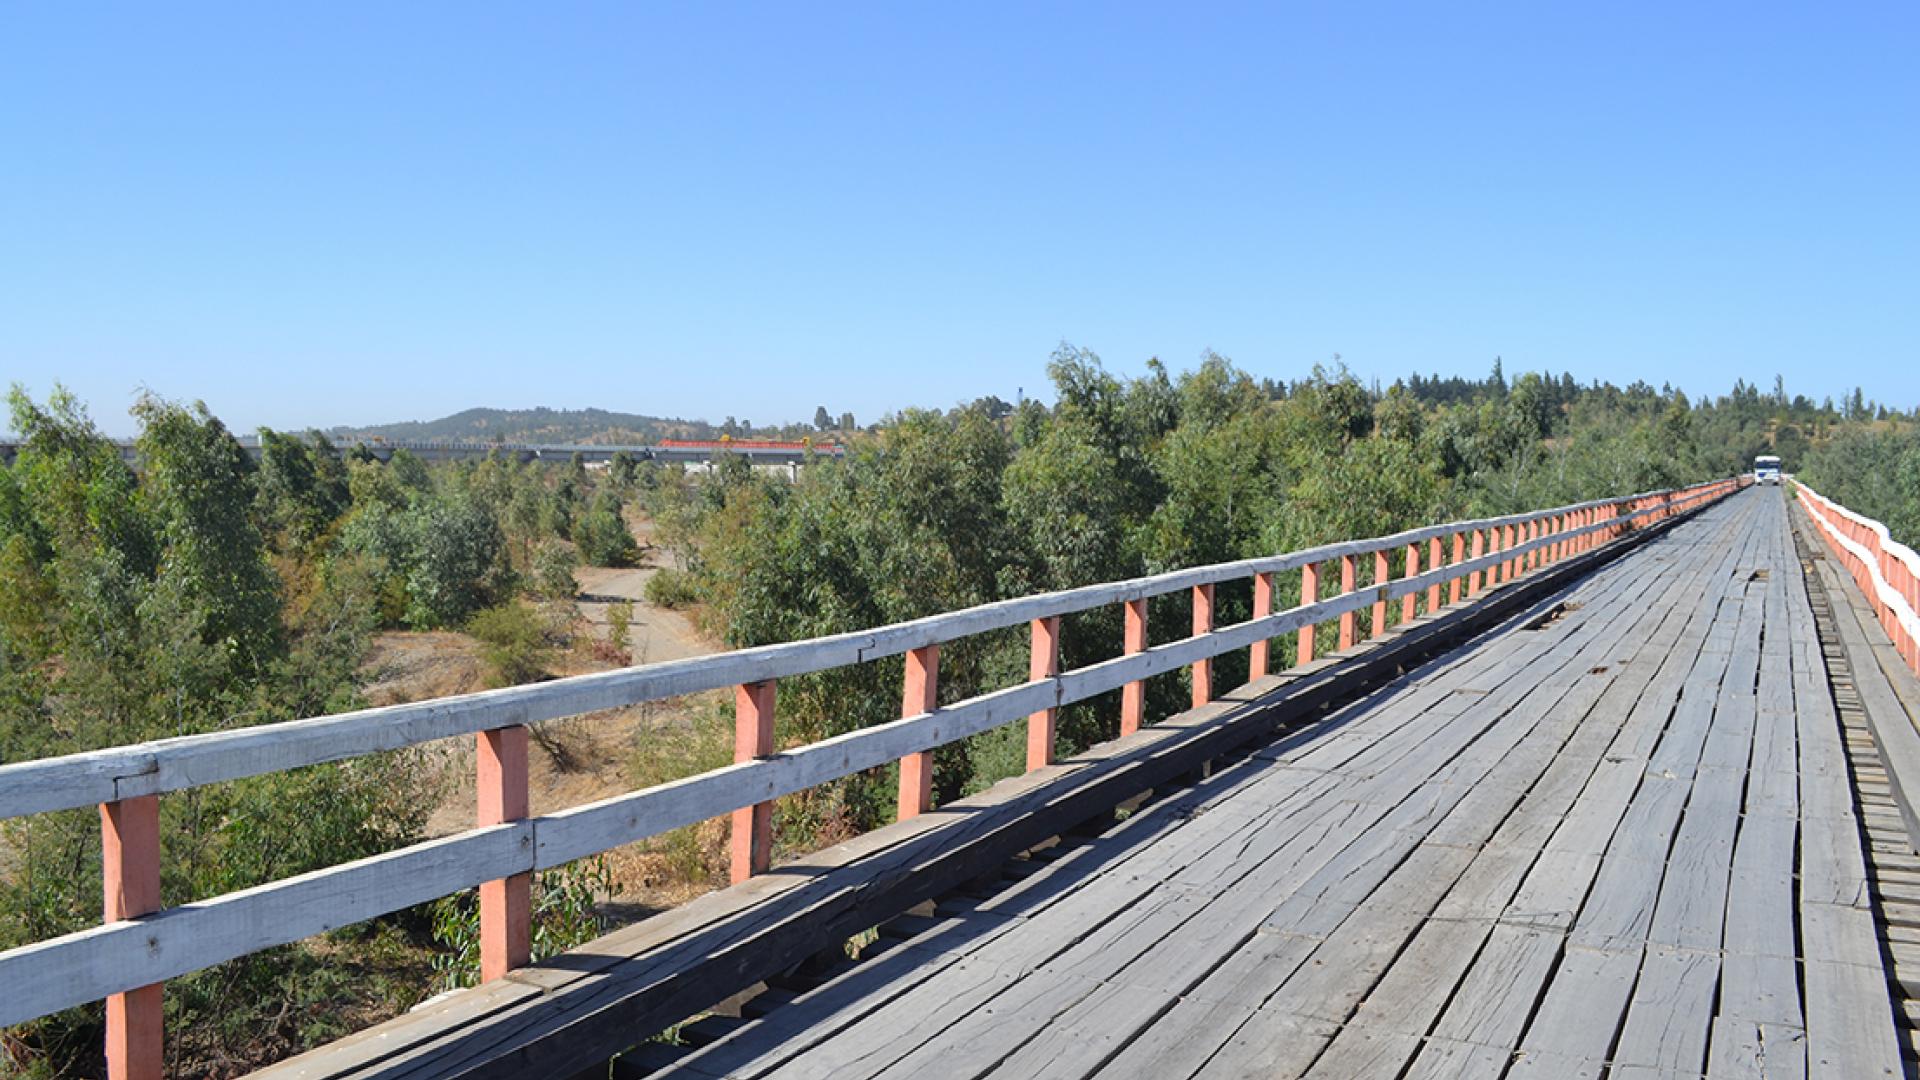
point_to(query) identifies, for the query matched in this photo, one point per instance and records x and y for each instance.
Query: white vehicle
(1766, 469)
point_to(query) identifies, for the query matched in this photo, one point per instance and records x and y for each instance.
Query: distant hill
(542, 425)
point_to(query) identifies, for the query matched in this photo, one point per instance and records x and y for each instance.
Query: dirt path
(574, 761)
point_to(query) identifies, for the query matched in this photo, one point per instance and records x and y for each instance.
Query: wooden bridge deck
(1618, 839)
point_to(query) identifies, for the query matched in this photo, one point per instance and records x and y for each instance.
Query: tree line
(1127, 475)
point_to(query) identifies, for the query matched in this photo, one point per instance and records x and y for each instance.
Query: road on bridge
(1616, 837)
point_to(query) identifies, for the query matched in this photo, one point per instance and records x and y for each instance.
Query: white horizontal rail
(1888, 544)
(1887, 597)
(86, 966)
(91, 964)
(101, 776)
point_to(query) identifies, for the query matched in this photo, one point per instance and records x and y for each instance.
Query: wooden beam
(1133, 696)
(1259, 657)
(1346, 587)
(752, 838)
(918, 696)
(130, 871)
(1433, 563)
(1382, 571)
(1202, 625)
(1043, 663)
(1309, 592)
(506, 912)
(1409, 603)
(1459, 556)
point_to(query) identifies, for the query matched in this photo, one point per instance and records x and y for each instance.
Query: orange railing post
(1202, 624)
(1408, 602)
(1479, 549)
(130, 870)
(1459, 556)
(1133, 696)
(1433, 563)
(1382, 572)
(1260, 656)
(752, 840)
(1043, 663)
(1309, 592)
(1346, 588)
(506, 904)
(918, 695)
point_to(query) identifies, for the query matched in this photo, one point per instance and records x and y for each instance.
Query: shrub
(604, 539)
(553, 567)
(672, 589)
(619, 620)
(514, 647)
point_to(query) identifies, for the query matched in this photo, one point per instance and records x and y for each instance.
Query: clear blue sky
(355, 213)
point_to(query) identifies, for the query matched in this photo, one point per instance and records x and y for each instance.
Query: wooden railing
(140, 945)
(1887, 571)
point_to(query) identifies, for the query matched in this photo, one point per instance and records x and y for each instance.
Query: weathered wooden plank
(1671, 1015)
(1750, 1050)
(1849, 1022)
(1586, 997)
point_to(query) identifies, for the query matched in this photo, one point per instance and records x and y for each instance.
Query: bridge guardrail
(140, 945)
(1887, 571)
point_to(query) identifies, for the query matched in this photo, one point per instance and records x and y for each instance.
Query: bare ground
(576, 760)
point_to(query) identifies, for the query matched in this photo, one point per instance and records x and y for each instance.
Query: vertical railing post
(1309, 592)
(1259, 657)
(1382, 573)
(1408, 602)
(919, 694)
(1459, 556)
(752, 839)
(1433, 563)
(1479, 549)
(1043, 663)
(1133, 696)
(130, 870)
(506, 904)
(1202, 624)
(1346, 588)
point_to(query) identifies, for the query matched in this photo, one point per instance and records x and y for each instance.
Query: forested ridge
(204, 591)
